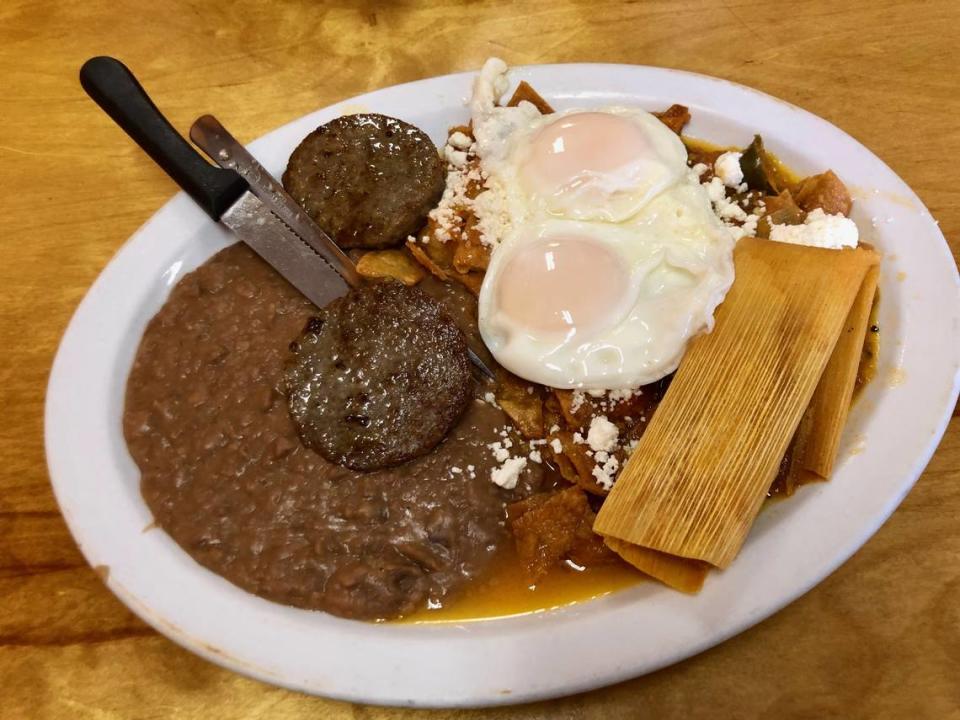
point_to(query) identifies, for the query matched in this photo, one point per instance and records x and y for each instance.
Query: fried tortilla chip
(574, 418)
(698, 155)
(779, 210)
(635, 407)
(552, 415)
(396, 264)
(441, 253)
(589, 549)
(470, 252)
(574, 464)
(523, 402)
(674, 117)
(471, 281)
(548, 528)
(525, 92)
(425, 260)
(825, 191)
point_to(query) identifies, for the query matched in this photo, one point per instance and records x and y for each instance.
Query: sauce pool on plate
(506, 591)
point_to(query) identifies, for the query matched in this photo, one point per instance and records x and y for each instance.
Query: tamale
(699, 475)
(676, 572)
(818, 437)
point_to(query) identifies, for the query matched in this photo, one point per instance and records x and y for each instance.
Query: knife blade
(253, 223)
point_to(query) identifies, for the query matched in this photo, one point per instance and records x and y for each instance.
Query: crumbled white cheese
(604, 400)
(455, 470)
(458, 152)
(818, 230)
(727, 168)
(695, 172)
(606, 474)
(445, 214)
(493, 216)
(716, 190)
(459, 140)
(500, 453)
(508, 473)
(457, 158)
(576, 401)
(490, 399)
(554, 428)
(602, 441)
(749, 226)
(535, 456)
(491, 83)
(738, 222)
(730, 210)
(603, 434)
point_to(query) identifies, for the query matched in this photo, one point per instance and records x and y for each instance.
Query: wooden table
(879, 638)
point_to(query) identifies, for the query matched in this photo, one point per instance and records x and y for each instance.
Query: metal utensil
(222, 194)
(240, 194)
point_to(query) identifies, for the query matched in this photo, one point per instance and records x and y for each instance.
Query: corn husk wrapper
(676, 572)
(818, 437)
(700, 473)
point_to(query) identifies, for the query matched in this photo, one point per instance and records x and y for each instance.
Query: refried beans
(225, 474)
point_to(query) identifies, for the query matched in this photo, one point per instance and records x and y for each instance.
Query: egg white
(679, 259)
(678, 254)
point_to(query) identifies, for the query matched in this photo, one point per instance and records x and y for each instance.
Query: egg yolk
(562, 284)
(567, 152)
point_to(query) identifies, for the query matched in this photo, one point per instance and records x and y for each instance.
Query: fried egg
(608, 257)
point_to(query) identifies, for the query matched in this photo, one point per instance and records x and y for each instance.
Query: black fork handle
(114, 88)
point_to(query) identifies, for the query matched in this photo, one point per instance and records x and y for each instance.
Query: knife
(240, 194)
(221, 193)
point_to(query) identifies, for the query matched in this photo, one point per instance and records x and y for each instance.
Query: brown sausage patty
(367, 180)
(378, 377)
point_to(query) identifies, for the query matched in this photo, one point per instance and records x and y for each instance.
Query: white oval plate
(893, 430)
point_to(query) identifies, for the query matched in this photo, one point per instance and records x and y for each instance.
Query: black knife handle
(114, 88)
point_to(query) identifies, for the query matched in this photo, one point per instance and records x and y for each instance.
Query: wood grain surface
(880, 638)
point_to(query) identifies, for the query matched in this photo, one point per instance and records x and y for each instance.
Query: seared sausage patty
(367, 180)
(378, 377)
